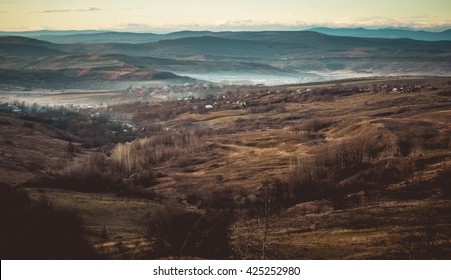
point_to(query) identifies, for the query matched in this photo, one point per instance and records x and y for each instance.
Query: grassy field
(120, 218)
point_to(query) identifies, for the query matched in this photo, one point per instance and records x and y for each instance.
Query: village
(195, 98)
(187, 91)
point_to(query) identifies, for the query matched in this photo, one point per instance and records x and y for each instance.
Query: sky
(172, 15)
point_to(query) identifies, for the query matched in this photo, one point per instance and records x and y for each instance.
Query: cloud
(253, 25)
(90, 9)
(131, 26)
(374, 22)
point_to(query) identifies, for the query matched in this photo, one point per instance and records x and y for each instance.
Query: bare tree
(251, 232)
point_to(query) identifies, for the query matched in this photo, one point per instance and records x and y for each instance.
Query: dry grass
(22, 149)
(370, 161)
(121, 217)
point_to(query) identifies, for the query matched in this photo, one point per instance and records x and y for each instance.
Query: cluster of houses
(20, 107)
(376, 88)
(75, 117)
(47, 112)
(398, 88)
(301, 91)
(187, 91)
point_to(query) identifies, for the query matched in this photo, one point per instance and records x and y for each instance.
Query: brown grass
(358, 165)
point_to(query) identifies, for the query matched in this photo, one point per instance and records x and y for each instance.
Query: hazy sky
(159, 15)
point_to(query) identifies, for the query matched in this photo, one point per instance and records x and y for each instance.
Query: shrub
(314, 125)
(88, 174)
(174, 231)
(442, 181)
(39, 230)
(28, 125)
(70, 147)
(137, 191)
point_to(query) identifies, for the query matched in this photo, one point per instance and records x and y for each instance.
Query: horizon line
(437, 29)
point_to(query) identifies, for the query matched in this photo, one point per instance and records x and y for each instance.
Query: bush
(442, 181)
(88, 174)
(39, 230)
(175, 232)
(314, 125)
(28, 125)
(71, 148)
(137, 191)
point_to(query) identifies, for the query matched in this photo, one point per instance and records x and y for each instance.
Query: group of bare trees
(313, 176)
(239, 227)
(142, 153)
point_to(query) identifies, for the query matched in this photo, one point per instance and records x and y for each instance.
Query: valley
(346, 169)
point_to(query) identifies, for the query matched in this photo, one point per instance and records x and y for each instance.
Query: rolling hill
(241, 55)
(27, 47)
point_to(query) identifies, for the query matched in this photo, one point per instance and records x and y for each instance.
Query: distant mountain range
(388, 33)
(94, 36)
(104, 36)
(286, 56)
